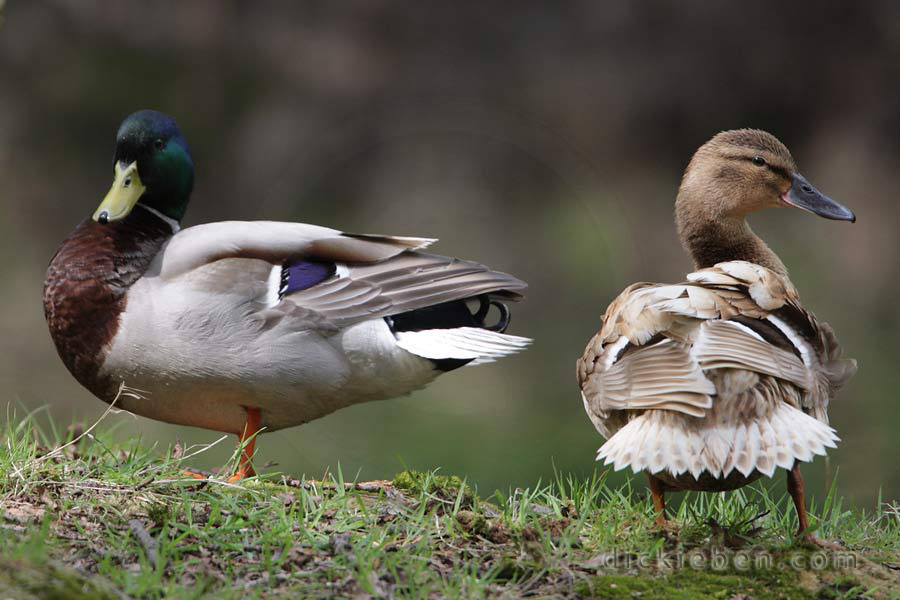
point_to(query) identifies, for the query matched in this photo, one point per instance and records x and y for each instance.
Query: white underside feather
(472, 343)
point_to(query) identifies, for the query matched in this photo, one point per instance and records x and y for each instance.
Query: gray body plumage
(205, 333)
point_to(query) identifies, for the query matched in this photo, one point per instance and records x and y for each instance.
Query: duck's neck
(710, 241)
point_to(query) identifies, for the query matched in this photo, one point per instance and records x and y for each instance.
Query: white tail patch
(480, 345)
(654, 441)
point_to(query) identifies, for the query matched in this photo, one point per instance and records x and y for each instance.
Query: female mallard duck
(709, 384)
(239, 326)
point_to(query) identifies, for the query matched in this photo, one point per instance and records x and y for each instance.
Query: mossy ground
(70, 522)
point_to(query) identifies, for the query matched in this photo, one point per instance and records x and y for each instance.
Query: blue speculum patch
(304, 275)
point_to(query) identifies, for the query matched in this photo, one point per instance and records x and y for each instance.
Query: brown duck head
(732, 175)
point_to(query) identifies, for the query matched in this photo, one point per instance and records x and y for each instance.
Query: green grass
(67, 514)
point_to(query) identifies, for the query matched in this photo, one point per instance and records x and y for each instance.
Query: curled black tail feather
(450, 315)
(485, 304)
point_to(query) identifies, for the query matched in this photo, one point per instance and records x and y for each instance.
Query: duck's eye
(759, 161)
(158, 144)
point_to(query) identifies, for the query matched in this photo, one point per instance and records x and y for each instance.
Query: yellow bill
(122, 196)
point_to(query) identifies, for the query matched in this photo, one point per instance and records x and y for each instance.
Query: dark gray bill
(803, 195)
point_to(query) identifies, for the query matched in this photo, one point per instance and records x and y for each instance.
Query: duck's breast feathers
(659, 343)
(87, 286)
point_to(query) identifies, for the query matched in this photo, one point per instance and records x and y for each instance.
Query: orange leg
(795, 489)
(245, 466)
(659, 499)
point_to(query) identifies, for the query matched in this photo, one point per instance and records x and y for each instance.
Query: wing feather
(381, 275)
(657, 374)
(723, 344)
(405, 282)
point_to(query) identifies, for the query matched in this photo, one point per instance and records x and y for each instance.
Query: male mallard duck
(237, 326)
(711, 383)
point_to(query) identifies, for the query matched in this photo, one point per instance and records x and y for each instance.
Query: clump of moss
(444, 489)
(473, 523)
(842, 587)
(159, 512)
(43, 579)
(688, 584)
(514, 568)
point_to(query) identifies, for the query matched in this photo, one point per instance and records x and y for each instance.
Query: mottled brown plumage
(712, 383)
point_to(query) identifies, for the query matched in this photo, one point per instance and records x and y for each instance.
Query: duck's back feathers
(342, 278)
(711, 370)
(276, 242)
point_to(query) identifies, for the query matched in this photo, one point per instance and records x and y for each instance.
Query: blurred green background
(544, 140)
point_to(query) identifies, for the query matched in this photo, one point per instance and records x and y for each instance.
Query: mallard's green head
(153, 166)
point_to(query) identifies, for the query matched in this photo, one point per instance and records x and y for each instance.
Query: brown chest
(86, 290)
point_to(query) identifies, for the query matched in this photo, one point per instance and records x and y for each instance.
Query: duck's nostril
(807, 189)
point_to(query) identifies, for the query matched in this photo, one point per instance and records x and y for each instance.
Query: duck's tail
(425, 300)
(658, 441)
(450, 335)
